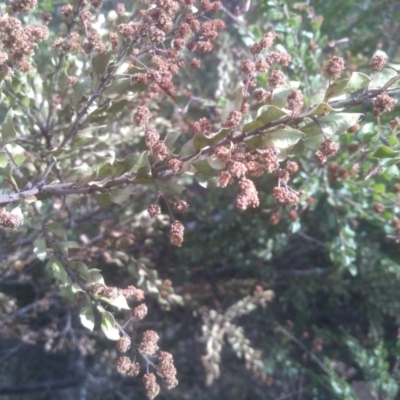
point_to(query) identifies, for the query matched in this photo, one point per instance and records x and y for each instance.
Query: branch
(63, 189)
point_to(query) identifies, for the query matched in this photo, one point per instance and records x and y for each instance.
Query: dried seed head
(22, 6)
(153, 210)
(221, 152)
(151, 137)
(202, 125)
(195, 63)
(267, 41)
(292, 167)
(271, 162)
(237, 169)
(248, 196)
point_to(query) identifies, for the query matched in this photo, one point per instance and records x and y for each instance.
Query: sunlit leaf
(108, 325)
(40, 248)
(265, 115)
(86, 314)
(280, 138)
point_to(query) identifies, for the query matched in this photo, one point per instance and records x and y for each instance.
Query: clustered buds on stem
(12, 219)
(335, 67)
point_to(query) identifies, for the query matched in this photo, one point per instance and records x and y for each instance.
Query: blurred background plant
(332, 329)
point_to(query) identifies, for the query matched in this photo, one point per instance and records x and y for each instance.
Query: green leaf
(81, 269)
(281, 139)
(234, 105)
(280, 95)
(205, 168)
(119, 302)
(265, 115)
(171, 138)
(319, 109)
(108, 325)
(8, 131)
(3, 159)
(356, 82)
(379, 79)
(201, 140)
(17, 153)
(79, 89)
(385, 152)
(95, 276)
(58, 270)
(121, 87)
(86, 315)
(120, 196)
(333, 124)
(40, 248)
(57, 228)
(100, 62)
(170, 188)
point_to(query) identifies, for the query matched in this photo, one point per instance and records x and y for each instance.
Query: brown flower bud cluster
(127, 367)
(335, 67)
(151, 386)
(148, 345)
(233, 119)
(12, 220)
(176, 233)
(202, 126)
(166, 369)
(19, 41)
(123, 344)
(285, 196)
(181, 206)
(295, 101)
(22, 6)
(153, 210)
(377, 63)
(248, 196)
(328, 148)
(383, 103)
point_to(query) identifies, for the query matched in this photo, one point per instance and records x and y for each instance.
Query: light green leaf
(205, 168)
(319, 109)
(379, 79)
(108, 325)
(57, 228)
(95, 276)
(281, 139)
(17, 153)
(58, 270)
(333, 124)
(265, 115)
(3, 159)
(170, 188)
(201, 140)
(8, 131)
(79, 89)
(119, 302)
(356, 82)
(40, 248)
(120, 196)
(171, 138)
(86, 315)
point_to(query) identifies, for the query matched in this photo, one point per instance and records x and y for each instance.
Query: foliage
(240, 132)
